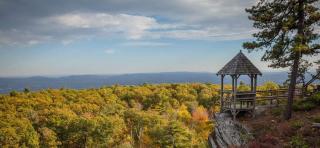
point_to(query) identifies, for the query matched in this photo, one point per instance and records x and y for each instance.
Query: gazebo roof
(240, 64)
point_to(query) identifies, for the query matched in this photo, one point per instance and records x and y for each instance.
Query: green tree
(13, 93)
(207, 97)
(176, 135)
(183, 114)
(138, 122)
(286, 33)
(269, 85)
(243, 87)
(48, 138)
(18, 132)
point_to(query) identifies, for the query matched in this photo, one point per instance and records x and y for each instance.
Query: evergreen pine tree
(287, 33)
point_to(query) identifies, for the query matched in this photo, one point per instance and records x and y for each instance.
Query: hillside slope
(271, 131)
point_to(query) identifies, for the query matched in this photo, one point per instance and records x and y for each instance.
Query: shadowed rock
(228, 132)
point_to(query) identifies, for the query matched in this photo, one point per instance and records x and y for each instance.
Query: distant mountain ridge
(95, 81)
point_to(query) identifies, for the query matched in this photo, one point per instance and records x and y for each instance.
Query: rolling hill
(93, 81)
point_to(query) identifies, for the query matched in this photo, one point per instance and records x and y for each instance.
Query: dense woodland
(163, 115)
(174, 115)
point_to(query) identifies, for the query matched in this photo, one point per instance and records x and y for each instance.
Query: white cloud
(16, 37)
(128, 19)
(70, 27)
(132, 26)
(142, 27)
(109, 51)
(146, 43)
(211, 33)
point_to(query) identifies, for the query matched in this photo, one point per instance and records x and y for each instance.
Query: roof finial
(240, 51)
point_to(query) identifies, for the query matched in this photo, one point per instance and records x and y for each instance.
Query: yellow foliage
(111, 116)
(216, 108)
(269, 85)
(183, 113)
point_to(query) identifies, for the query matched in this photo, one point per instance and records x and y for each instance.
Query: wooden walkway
(274, 97)
(249, 101)
(266, 97)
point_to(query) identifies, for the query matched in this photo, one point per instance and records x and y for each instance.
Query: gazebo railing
(227, 99)
(246, 100)
(273, 97)
(241, 100)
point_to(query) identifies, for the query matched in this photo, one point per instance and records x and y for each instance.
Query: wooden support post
(251, 82)
(232, 77)
(235, 96)
(232, 107)
(255, 91)
(221, 95)
(252, 87)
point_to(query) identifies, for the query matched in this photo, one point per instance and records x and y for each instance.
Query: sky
(73, 37)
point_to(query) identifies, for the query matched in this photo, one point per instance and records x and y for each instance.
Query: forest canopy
(149, 115)
(163, 115)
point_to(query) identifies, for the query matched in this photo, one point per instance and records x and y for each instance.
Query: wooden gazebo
(233, 100)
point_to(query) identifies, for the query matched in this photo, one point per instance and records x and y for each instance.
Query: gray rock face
(228, 132)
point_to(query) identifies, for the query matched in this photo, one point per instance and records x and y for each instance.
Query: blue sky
(118, 56)
(49, 38)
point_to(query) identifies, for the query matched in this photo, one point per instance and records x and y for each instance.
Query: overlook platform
(232, 100)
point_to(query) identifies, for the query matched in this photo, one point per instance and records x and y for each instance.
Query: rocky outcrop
(228, 132)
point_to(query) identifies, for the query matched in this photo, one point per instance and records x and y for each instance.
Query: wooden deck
(247, 101)
(244, 101)
(274, 97)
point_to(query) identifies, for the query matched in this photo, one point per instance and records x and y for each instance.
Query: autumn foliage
(164, 115)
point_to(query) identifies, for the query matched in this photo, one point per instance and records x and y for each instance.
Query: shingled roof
(240, 64)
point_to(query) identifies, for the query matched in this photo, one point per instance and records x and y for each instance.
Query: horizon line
(117, 74)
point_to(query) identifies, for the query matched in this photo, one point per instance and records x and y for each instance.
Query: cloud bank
(30, 22)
